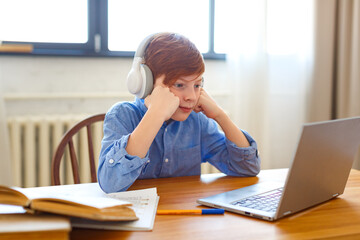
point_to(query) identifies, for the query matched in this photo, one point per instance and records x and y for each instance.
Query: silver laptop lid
(321, 165)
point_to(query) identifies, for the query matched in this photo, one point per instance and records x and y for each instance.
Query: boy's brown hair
(173, 55)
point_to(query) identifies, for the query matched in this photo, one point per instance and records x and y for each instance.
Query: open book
(144, 202)
(76, 200)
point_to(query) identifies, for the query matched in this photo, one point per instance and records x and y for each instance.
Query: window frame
(97, 44)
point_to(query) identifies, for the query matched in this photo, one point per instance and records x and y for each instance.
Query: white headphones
(140, 78)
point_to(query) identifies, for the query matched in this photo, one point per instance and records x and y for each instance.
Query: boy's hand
(162, 101)
(207, 105)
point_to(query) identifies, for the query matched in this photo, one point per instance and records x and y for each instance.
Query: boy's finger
(160, 81)
(197, 108)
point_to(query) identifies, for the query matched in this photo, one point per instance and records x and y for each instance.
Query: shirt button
(166, 160)
(111, 161)
(165, 129)
(148, 161)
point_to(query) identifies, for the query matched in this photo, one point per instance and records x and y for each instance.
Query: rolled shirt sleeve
(245, 161)
(117, 169)
(225, 155)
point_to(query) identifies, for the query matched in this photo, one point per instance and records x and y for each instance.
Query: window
(30, 23)
(103, 27)
(192, 22)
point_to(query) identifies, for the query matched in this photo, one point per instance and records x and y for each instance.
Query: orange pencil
(190, 212)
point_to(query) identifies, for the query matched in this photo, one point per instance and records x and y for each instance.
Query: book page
(11, 209)
(89, 194)
(144, 202)
(15, 223)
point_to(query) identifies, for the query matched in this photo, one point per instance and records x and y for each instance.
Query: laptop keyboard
(265, 201)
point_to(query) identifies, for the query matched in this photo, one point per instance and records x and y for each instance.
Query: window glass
(62, 21)
(237, 20)
(131, 21)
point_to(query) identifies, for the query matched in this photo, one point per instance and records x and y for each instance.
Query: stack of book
(81, 205)
(15, 223)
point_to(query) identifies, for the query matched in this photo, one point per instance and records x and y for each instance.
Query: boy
(174, 129)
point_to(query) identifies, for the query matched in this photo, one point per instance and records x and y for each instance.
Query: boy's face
(187, 89)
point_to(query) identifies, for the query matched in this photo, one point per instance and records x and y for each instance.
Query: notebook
(318, 173)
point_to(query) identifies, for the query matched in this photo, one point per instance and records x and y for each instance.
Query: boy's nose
(190, 94)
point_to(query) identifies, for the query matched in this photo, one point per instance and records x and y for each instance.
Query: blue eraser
(213, 211)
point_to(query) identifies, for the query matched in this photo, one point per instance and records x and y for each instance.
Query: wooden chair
(67, 140)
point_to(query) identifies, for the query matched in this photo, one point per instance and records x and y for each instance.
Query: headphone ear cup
(134, 78)
(148, 81)
(140, 78)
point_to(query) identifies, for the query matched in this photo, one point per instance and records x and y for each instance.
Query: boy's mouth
(186, 109)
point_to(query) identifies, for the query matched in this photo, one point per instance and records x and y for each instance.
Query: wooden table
(335, 219)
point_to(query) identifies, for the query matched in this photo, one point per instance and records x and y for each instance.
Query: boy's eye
(198, 86)
(178, 85)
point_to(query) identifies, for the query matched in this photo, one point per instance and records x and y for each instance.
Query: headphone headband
(140, 52)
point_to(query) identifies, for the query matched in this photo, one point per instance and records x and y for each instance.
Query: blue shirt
(178, 149)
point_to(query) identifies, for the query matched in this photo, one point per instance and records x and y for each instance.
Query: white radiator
(33, 140)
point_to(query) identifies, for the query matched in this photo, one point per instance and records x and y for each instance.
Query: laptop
(318, 173)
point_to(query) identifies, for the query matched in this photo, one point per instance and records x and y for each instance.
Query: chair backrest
(67, 140)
